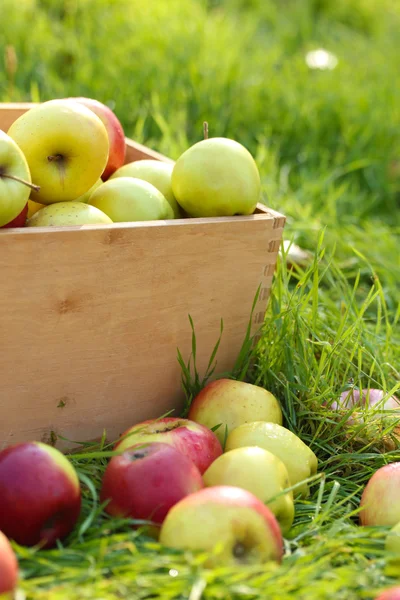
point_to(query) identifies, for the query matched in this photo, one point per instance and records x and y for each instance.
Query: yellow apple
(85, 197)
(298, 458)
(155, 172)
(216, 177)
(127, 199)
(68, 213)
(230, 524)
(231, 403)
(66, 147)
(259, 472)
(15, 179)
(33, 207)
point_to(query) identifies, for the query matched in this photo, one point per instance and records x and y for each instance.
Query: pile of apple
(224, 480)
(62, 163)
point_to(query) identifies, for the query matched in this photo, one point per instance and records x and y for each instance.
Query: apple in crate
(19, 220)
(216, 177)
(300, 461)
(156, 172)
(66, 147)
(15, 180)
(380, 503)
(8, 568)
(62, 214)
(147, 480)
(259, 472)
(116, 136)
(128, 199)
(40, 496)
(231, 403)
(230, 523)
(85, 197)
(196, 441)
(33, 207)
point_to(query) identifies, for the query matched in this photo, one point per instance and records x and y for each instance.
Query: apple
(116, 136)
(8, 568)
(40, 496)
(372, 400)
(196, 441)
(392, 593)
(231, 403)
(33, 207)
(67, 213)
(299, 459)
(66, 147)
(147, 480)
(380, 499)
(156, 172)
(19, 220)
(259, 472)
(244, 529)
(15, 180)
(85, 197)
(127, 199)
(216, 177)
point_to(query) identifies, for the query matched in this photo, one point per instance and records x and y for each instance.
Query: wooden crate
(91, 317)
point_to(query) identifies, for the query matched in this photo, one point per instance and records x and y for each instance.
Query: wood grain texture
(91, 317)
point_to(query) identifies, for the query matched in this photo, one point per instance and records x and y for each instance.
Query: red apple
(8, 567)
(196, 441)
(147, 480)
(116, 136)
(367, 399)
(40, 496)
(231, 403)
(392, 593)
(244, 530)
(380, 499)
(19, 220)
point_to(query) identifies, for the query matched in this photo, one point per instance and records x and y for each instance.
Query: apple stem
(54, 157)
(15, 178)
(205, 130)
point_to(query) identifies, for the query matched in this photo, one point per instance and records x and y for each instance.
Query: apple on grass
(392, 593)
(147, 480)
(300, 461)
(230, 523)
(196, 441)
(8, 568)
(259, 472)
(116, 136)
(379, 502)
(68, 213)
(126, 199)
(40, 496)
(15, 181)
(216, 177)
(156, 172)
(231, 403)
(66, 147)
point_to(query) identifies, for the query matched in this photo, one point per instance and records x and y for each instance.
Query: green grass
(327, 144)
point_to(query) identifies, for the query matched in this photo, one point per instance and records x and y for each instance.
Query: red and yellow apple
(196, 441)
(40, 496)
(259, 472)
(15, 180)
(147, 480)
(231, 403)
(230, 523)
(392, 593)
(66, 147)
(115, 133)
(379, 503)
(20, 220)
(8, 568)
(300, 461)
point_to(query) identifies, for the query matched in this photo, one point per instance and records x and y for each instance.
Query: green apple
(231, 403)
(85, 197)
(261, 473)
(229, 523)
(155, 172)
(66, 147)
(298, 458)
(15, 179)
(126, 199)
(216, 177)
(68, 213)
